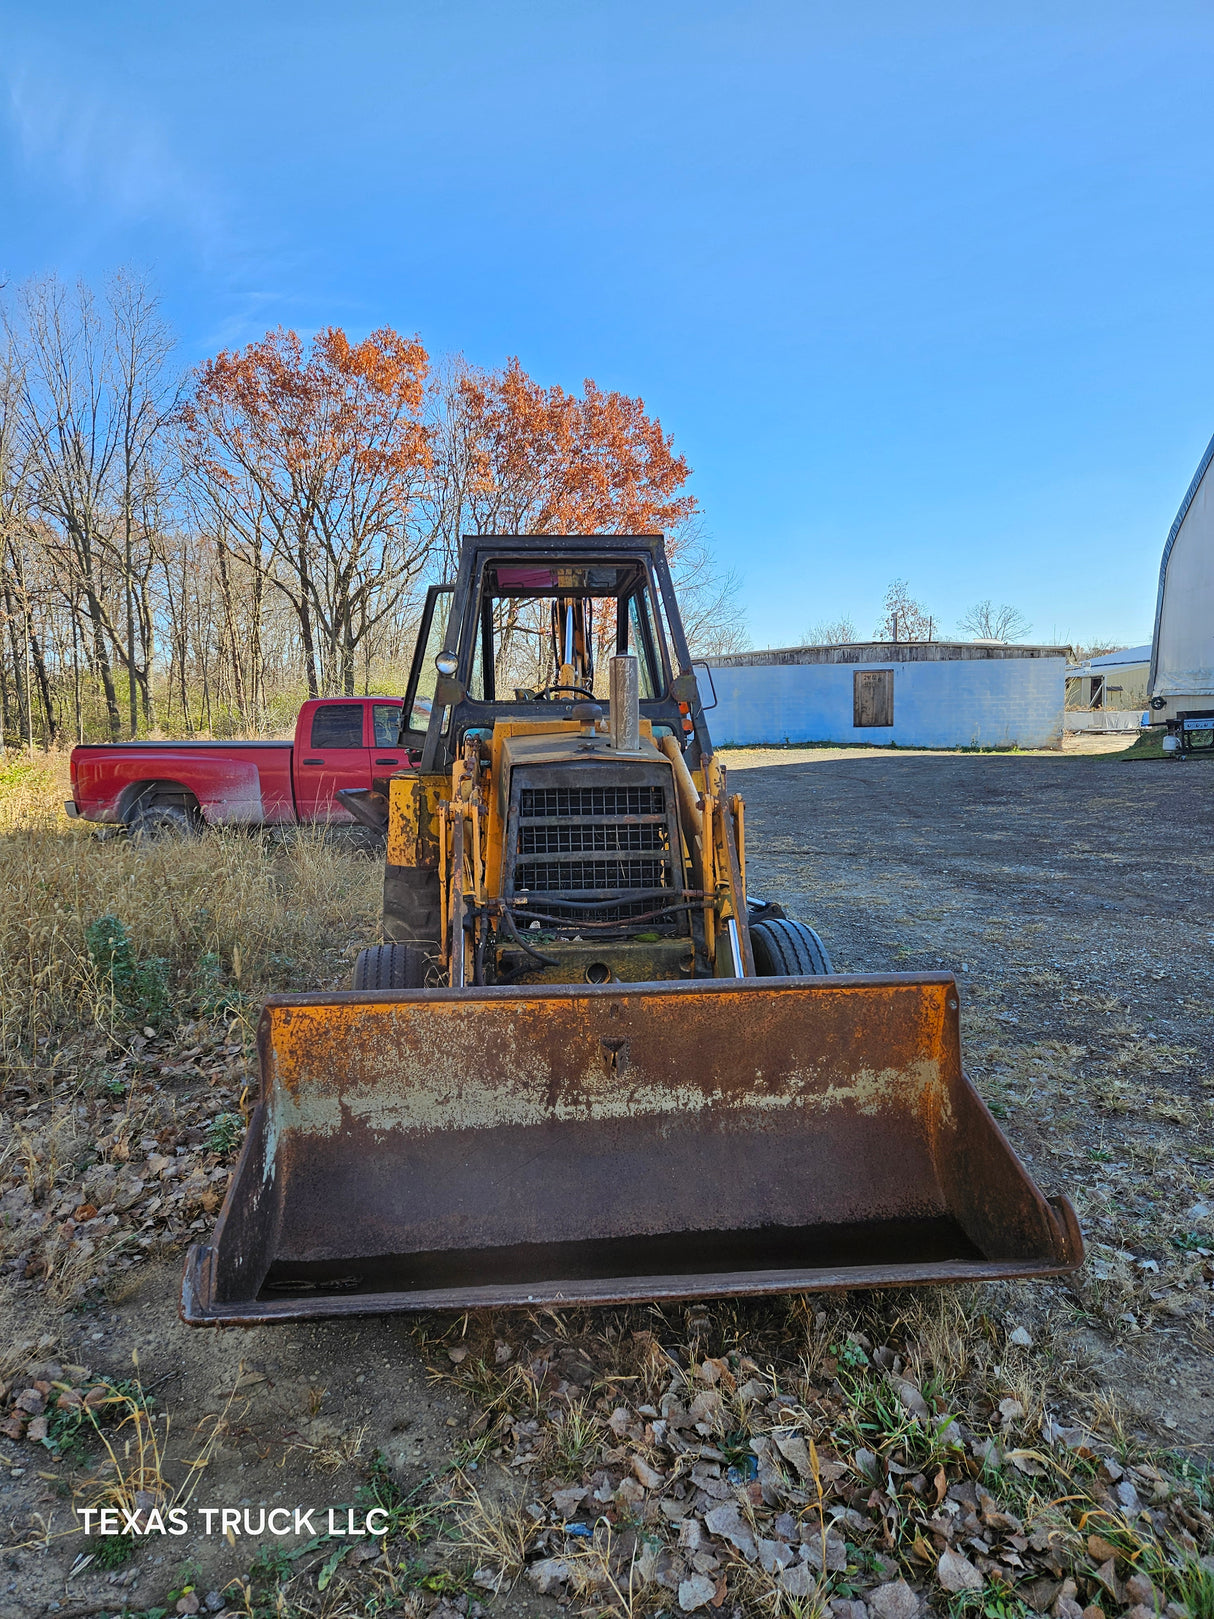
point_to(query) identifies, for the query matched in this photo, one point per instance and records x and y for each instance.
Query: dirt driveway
(1073, 896)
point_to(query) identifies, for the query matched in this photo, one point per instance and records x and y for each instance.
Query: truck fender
(139, 794)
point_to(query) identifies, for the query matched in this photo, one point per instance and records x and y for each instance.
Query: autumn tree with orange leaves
(315, 461)
(513, 457)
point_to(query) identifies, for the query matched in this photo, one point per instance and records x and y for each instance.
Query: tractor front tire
(390, 966)
(784, 948)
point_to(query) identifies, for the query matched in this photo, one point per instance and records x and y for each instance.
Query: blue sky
(921, 290)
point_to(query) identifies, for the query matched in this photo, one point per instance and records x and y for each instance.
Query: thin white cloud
(108, 154)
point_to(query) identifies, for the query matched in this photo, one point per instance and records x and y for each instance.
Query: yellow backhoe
(585, 1066)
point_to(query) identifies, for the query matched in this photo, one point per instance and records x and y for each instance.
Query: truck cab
(341, 744)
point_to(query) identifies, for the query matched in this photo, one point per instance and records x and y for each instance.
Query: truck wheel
(784, 948)
(389, 966)
(156, 820)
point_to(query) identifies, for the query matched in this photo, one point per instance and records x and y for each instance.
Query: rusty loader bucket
(431, 1149)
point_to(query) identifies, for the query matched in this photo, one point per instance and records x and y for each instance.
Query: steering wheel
(580, 691)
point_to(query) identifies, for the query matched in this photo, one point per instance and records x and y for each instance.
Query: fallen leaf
(956, 1573)
(726, 1521)
(794, 1449)
(694, 1592)
(909, 1397)
(548, 1572)
(895, 1600)
(1100, 1550)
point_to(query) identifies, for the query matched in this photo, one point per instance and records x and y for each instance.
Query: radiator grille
(565, 802)
(578, 844)
(579, 838)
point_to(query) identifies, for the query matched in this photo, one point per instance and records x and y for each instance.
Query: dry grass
(95, 1042)
(209, 923)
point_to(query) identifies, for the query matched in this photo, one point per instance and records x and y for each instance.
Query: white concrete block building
(913, 694)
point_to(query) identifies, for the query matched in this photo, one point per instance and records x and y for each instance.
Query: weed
(1193, 1586)
(991, 1603)
(498, 1534)
(225, 1134)
(576, 1437)
(213, 993)
(272, 1564)
(113, 1551)
(409, 1517)
(140, 987)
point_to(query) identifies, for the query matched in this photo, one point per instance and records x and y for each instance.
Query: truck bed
(235, 783)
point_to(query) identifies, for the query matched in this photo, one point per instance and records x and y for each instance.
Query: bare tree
(986, 622)
(71, 434)
(839, 631)
(714, 621)
(14, 528)
(904, 618)
(145, 400)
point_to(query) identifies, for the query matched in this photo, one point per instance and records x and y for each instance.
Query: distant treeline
(196, 554)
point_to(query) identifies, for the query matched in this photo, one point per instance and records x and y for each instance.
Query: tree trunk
(128, 581)
(44, 686)
(19, 681)
(102, 660)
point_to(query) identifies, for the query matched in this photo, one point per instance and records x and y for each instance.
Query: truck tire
(784, 948)
(389, 966)
(155, 819)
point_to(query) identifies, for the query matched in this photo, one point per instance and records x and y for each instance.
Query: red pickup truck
(339, 743)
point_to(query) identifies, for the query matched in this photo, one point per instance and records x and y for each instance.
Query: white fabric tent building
(1182, 652)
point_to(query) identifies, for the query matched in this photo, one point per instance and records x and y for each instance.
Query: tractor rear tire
(390, 966)
(784, 948)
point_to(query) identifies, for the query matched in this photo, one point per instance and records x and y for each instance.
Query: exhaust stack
(625, 714)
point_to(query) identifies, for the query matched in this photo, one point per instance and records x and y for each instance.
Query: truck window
(337, 725)
(386, 718)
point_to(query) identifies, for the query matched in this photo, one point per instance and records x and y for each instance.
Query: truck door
(387, 755)
(336, 753)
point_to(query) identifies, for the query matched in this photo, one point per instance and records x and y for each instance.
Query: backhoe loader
(586, 1066)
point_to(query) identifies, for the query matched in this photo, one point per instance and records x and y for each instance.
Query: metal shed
(1108, 693)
